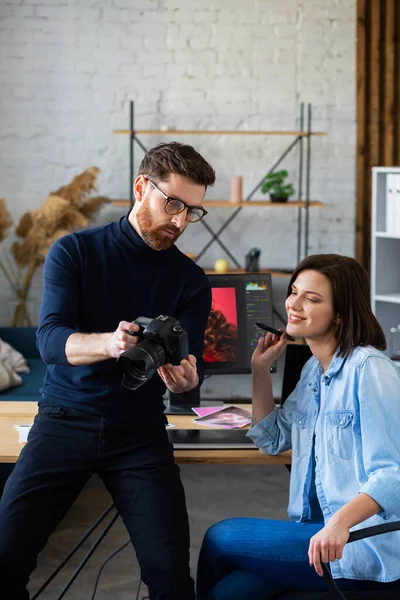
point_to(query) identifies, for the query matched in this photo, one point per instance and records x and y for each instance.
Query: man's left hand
(181, 378)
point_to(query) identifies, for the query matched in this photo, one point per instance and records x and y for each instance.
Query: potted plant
(274, 184)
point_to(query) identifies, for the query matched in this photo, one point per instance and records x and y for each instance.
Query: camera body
(167, 332)
(162, 340)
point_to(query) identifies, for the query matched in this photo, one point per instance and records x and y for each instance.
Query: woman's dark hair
(357, 325)
(174, 157)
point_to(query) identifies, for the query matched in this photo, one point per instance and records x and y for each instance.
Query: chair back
(296, 357)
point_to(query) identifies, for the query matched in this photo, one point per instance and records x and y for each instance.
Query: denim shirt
(357, 449)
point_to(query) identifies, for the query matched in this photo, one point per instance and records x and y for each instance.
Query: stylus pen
(275, 331)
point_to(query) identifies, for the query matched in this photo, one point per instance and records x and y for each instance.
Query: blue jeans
(257, 559)
(132, 455)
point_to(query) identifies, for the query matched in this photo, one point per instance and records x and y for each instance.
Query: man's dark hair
(173, 157)
(357, 324)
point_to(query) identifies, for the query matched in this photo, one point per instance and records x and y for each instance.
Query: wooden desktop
(23, 413)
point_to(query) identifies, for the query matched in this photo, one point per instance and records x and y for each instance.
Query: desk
(23, 413)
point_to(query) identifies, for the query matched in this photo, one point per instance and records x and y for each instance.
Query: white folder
(396, 200)
(391, 203)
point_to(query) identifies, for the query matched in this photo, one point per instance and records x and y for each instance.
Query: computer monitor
(238, 302)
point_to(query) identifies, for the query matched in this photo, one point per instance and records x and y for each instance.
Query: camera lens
(139, 363)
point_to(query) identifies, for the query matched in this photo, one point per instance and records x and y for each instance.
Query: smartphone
(275, 331)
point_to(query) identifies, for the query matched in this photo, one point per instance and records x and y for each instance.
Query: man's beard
(154, 236)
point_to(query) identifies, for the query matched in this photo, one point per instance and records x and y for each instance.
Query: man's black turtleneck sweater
(93, 280)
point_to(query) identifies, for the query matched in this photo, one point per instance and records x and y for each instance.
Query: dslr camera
(162, 341)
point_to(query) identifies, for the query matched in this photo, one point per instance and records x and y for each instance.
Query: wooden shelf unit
(302, 139)
(212, 132)
(274, 272)
(248, 204)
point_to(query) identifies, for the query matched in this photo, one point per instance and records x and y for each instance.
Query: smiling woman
(332, 291)
(310, 309)
(342, 424)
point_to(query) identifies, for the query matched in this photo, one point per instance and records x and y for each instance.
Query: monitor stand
(182, 405)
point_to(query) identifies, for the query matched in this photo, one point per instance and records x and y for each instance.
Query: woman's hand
(327, 545)
(180, 378)
(268, 350)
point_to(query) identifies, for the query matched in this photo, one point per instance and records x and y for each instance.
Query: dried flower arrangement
(65, 210)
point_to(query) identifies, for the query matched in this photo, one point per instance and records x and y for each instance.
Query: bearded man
(96, 282)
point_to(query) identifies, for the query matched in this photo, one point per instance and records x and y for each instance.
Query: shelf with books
(385, 249)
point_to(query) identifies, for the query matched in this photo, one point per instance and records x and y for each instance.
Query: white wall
(68, 69)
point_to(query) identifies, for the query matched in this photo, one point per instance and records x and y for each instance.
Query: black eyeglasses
(173, 206)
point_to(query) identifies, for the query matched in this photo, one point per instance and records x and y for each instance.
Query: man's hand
(181, 378)
(327, 545)
(119, 341)
(89, 348)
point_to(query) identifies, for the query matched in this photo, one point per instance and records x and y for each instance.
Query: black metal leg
(308, 172)
(300, 194)
(131, 150)
(215, 235)
(215, 238)
(75, 548)
(140, 144)
(132, 139)
(138, 589)
(87, 556)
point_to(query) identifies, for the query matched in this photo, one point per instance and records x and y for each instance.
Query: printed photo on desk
(228, 417)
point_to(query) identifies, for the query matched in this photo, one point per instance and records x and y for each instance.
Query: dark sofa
(22, 339)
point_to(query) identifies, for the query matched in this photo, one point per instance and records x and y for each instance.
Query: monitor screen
(238, 302)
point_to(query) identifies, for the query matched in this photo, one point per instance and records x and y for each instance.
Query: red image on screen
(221, 336)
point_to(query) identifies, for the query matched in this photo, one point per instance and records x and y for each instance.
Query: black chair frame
(334, 593)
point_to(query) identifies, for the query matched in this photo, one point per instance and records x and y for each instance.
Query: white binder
(396, 200)
(391, 203)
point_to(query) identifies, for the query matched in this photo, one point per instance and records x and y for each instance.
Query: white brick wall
(68, 69)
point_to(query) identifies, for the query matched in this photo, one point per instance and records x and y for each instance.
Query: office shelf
(395, 298)
(212, 132)
(252, 204)
(302, 137)
(274, 272)
(389, 236)
(385, 253)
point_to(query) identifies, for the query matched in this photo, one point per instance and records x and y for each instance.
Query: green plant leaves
(274, 184)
